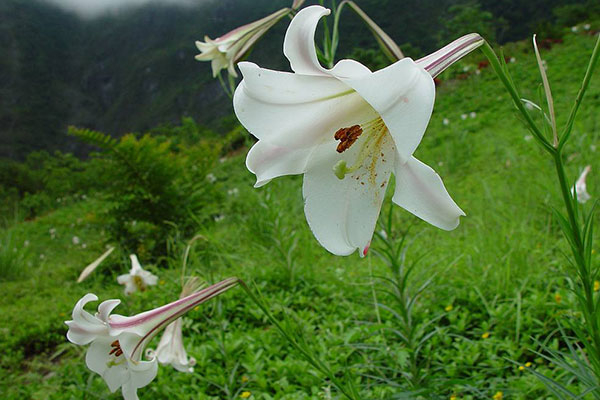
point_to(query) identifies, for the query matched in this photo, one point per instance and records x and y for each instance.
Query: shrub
(155, 184)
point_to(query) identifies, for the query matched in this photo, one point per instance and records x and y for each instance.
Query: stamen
(347, 137)
(138, 281)
(116, 349)
(375, 130)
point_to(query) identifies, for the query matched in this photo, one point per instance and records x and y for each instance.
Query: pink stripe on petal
(438, 61)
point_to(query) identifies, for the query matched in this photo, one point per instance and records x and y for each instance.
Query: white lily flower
(137, 278)
(580, 186)
(225, 51)
(346, 129)
(118, 342)
(170, 350)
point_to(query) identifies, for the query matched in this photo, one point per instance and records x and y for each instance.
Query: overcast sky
(93, 8)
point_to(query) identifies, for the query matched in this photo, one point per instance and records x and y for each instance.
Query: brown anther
(116, 349)
(347, 137)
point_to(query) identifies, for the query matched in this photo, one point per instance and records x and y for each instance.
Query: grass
(498, 280)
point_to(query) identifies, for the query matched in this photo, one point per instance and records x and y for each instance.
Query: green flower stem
(350, 393)
(572, 228)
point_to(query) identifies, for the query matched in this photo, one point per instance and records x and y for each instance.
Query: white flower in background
(42, 256)
(512, 60)
(580, 187)
(219, 218)
(473, 114)
(477, 72)
(117, 342)
(593, 147)
(233, 192)
(26, 243)
(587, 27)
(83, 245)
(346, 129)
(225, 51)
(75, 240)
(137, 278)
(464, 116)
(528, 138)
(574, 29)
(211, 178)
(446, 121)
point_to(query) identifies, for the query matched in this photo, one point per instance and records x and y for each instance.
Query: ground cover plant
(475, 313)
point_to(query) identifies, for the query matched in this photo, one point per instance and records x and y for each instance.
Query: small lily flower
(580, 186)
(170, 350)
(225, 51)
(346, 129)
(117, 342)
(137, 278)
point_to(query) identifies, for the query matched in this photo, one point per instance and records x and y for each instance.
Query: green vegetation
(494, 288)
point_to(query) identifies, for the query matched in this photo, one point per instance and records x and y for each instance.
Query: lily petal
(435, 63)
(403, 94)
(106, 307)
(299, 42)
(97, 359)
(265, 100)
(268, 161)
(421, 191)
(85, 327)
(342, 213)
(135, 264)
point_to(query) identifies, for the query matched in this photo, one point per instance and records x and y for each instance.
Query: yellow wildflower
(162, 282)
(485, 335)
(245, 394)
(528, 364)
(596, 286)
(448, 308)
(521, 368)
(497, 396)
(453, 397)
(245, 378)
(558, 298)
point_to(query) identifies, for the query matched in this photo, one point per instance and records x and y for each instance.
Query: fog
(94, 8)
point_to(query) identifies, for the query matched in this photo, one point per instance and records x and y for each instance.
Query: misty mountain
(135, 70)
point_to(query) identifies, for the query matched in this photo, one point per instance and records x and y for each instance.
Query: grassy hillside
(497, 287)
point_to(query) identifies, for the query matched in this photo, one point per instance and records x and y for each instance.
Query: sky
(94, 8)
